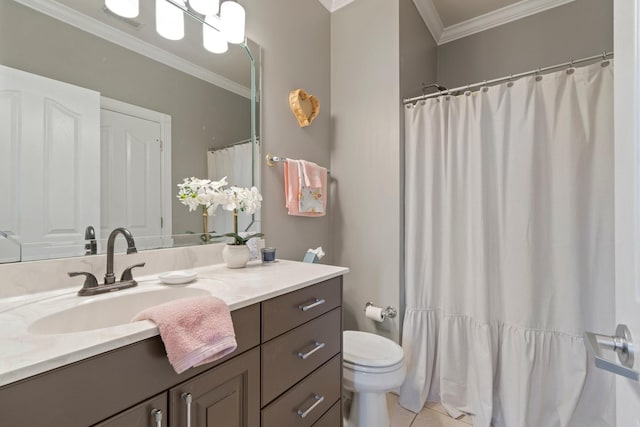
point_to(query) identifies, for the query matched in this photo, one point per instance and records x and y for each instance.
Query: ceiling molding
(100, 29)
(501, 16)
(431, 18)
(333, 5)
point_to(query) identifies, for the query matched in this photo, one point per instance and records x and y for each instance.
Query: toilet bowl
(372, 366)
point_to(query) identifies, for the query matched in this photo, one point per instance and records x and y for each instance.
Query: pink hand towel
(303, 181)
(194, 330)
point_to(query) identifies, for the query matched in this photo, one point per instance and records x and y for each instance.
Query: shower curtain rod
(244, 141)
(602, 56)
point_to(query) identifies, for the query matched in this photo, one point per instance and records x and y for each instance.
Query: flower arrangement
(194, 192)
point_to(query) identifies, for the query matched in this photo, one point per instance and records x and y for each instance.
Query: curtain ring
(510, 84)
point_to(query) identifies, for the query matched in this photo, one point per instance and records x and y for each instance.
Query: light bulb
(124, 8)
(212, 39)
(205, 7)
(232, 17)
(169, 20)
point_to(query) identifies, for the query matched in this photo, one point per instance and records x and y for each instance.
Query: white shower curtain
(509, 250)
(234, 162)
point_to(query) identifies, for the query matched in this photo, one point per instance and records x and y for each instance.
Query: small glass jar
(268, 254)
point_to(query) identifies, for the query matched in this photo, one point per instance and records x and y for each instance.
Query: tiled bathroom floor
(433, 415)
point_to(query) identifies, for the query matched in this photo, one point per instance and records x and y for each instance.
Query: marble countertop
(24, 353)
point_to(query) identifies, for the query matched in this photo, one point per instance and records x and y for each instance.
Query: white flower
(195, 192)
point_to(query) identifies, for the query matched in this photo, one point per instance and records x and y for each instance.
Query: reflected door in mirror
(51, 168)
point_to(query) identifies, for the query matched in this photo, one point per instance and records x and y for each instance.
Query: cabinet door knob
(318, 400)
(156, 416)
(317, 346)
(188, 399)
(316, 302)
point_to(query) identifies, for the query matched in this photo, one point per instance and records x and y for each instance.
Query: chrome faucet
(91, 286)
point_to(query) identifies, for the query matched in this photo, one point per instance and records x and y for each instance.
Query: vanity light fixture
(169, 20)
(124, 8)
(218, 28)
(212, 37)
(205, 7)
(232, 16)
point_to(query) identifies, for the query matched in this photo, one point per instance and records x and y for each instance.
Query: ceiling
(449, 20)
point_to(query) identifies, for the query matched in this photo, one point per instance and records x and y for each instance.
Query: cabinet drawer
(311, 398)
(285, 312)
(293, 355)
(333, 417)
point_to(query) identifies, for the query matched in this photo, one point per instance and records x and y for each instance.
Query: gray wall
(578, 29)
(203, 115)
(294, 35)
(368, 75)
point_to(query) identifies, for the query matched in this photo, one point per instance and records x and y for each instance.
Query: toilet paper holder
(389, 312)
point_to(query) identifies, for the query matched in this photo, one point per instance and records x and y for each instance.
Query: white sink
(103, 311)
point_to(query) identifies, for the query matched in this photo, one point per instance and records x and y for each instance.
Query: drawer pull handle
(319, 400)
(315, 303)
(156, 414)
(317, 346)
(188, 399)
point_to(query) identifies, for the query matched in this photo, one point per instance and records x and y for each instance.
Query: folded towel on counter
(305, 186)
(194, 330)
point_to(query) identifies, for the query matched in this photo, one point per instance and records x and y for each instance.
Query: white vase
(235, 256)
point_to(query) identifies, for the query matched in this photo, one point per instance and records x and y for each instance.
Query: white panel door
(57, 193)
(9, 161)
(627, 197)
(131, 177)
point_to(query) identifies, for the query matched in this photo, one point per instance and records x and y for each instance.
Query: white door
(131, 177)
(627, 197)
(49, 158)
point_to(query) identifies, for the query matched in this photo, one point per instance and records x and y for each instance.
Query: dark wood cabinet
(286, 371)
(302, 357)
(225, 396)
(150, 413)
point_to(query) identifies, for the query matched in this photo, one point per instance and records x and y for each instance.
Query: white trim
(100, 29)
(333, 5)
(431, 18)
(501, 16)
(165, 157)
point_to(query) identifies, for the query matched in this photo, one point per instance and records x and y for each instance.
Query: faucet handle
(127, 275)
(90, 280)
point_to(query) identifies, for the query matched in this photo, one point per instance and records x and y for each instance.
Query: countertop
(24, 354)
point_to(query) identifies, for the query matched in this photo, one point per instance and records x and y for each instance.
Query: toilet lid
(366, 349)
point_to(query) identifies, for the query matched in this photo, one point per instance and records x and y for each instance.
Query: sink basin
(107, 310)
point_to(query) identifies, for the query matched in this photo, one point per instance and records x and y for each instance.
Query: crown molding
(333, 5)
(431, 18)
(501, 16)
(100, 29)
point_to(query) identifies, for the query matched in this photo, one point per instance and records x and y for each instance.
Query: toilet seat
(366, 352)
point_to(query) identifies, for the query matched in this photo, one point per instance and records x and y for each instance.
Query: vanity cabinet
(151, 412)
(302, 357)
(226, 396)
(286, 372)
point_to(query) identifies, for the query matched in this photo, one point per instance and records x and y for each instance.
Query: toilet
(373, 365)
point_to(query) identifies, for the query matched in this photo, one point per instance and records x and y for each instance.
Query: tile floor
(433, 415)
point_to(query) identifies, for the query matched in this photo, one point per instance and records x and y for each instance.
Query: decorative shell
(305, 107)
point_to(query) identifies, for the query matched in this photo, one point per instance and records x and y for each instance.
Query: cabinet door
(150, 413)
(227, 395)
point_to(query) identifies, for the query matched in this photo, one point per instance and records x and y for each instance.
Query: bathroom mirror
(198, 102)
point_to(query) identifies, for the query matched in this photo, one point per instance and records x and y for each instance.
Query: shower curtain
(234, 162)
(509, 250)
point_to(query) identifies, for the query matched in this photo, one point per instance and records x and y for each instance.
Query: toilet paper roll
(374, 313)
